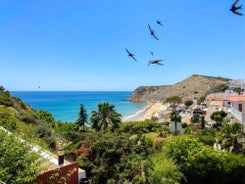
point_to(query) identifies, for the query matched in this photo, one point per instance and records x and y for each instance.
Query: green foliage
(200, 100)
(188, 103)
(45, 116)
(184, 125)
(6, 120)
(190, 130)
(175, 117)
(202, 164)
(196, 118)
(206, 136)
(230, 135)
(218, 88)
(5, 98)
(27, 117)
(2, 89)
(140, 127)
(174, 100)
(108, 157)
(17, 163)
(218, 116)
(83, 117)
(163, 170)
(238, 90)
(106, 117)
(67, 131)
(202, 122)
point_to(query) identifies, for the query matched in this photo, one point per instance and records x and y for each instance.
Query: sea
(65, 105)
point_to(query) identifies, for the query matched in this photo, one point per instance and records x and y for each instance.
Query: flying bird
(152, 32)
(234, 8)
(130, 54)
(151, 53)
(159, 23)
(157, 62)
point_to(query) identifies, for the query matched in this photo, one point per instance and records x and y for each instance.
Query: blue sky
(80, 44)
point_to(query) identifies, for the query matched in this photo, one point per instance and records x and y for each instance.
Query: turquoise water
(65, 105)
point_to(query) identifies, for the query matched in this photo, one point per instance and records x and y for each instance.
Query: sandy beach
(151, 110)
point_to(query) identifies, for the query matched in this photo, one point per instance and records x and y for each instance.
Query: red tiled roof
(219, 96)
(236, 98)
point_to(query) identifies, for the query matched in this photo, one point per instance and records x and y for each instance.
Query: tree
(45, 116)
(174, 100)
(218, 117)
(202, 122)
(195, 118)
(17, 164)
(188, 103)
(230, 135)
(202, 164)
(105, 117)
(200, 100)
(175, 117)
(163, 170)
(238, 90)
(111, 157)
(82, 119)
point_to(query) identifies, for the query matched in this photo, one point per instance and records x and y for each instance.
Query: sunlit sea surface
(65, 105)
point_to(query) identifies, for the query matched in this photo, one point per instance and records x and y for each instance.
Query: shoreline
(155, 109)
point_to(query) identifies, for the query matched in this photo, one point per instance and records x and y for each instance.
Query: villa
(237, 108)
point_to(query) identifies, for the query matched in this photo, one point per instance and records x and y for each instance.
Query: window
(240, 107)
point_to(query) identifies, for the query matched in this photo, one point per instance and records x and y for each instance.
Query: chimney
(61, 155)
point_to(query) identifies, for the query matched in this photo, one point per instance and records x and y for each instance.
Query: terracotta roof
(218, 96)
(236, 98)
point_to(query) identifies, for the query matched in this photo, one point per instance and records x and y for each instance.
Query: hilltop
(195, 86)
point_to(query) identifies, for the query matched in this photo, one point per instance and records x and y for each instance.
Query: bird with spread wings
(156, 61)
(152, 32)
(234, 8)
(130, 54)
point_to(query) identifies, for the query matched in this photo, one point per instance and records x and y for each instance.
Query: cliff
(196, 86)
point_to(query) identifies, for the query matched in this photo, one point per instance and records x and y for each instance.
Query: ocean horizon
(65, 105)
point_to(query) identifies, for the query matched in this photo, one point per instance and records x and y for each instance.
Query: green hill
(21, 119)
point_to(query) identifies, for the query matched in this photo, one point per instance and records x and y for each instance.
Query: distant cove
(64, 105)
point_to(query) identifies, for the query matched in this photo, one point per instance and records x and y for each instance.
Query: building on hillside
(239, 83)
(237, 108)
(217, 102)
(221, 97)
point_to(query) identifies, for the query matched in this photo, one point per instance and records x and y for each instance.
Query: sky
(79, 45)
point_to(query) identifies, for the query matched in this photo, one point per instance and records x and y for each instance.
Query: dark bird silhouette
(234, 8)
(151, 53)
(159, 23)
(156, 61)
(152, 32)
(130, 54)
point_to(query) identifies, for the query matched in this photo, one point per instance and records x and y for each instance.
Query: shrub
(188, 103)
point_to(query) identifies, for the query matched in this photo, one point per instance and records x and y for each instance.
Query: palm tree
(105, 117)
(230, 134)
(82, 119)
(175, 117)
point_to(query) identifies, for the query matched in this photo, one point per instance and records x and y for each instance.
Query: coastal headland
(194, 87)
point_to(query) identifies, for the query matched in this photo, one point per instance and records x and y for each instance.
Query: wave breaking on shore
(137, 115)
(149, 111)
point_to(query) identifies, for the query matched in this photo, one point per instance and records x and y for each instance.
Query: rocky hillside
(196, 86)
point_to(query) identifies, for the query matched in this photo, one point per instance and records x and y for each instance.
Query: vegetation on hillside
(17, 163)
